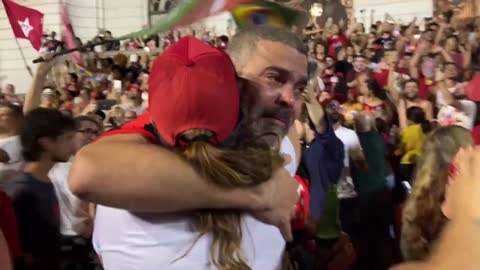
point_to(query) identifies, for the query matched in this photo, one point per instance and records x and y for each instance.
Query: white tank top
(127, 240)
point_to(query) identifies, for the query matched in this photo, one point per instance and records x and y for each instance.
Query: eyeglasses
(89, 131)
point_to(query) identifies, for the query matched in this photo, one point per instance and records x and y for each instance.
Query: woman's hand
(277, 198)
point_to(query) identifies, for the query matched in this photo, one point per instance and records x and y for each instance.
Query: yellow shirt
(412, 141)
(349, 111)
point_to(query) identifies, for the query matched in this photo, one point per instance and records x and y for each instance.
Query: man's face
(277, 76)
(391, 57)
(333, 109)
(451, 71)
(360, 65)
(330, 62)
(59, 149)
(86, 134)
(411, 90)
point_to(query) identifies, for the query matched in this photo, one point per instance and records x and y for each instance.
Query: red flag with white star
(27, 23)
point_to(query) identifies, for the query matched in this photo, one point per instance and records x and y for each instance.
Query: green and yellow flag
(264, 12)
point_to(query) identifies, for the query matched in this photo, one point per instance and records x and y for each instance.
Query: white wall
(87, 17)
(125, 16)
(401, 10)
(12, 67)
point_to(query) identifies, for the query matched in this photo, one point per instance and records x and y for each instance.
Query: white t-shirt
(13, 148)
(448, 115)
(74, 216)
(349, 138)
(127, 240)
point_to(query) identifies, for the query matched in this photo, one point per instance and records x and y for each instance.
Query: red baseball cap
(193, 85)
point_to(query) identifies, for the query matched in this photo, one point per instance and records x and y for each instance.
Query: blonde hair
(423, 219)
(245, 165)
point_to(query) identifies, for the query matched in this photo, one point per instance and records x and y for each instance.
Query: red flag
(27, 23)
(206, 8)
(68, 34)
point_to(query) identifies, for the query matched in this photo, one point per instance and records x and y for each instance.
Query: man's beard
(411, 97)
(57, 159)
(335, 117)
(261, 124)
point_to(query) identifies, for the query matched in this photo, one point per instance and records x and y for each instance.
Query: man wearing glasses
(75, 220)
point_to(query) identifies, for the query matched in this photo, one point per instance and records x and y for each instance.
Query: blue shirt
(322, 164)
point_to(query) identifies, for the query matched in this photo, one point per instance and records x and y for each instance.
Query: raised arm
(414, 72)
(315, 110)
(391, 87)
(34, 94)
(126, 171)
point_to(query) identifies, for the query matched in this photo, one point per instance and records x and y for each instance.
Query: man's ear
(45, 143)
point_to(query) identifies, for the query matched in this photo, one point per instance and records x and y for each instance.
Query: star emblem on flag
(26, 27)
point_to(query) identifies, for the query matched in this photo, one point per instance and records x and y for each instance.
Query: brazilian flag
(264, 12)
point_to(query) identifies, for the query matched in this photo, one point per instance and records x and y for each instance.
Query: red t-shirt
(473, 88)
(476, 135)
(136, 126)
(424, 88)
(335, 42)
(381, 76)
(8, 225)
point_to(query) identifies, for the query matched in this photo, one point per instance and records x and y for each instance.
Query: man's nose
(287, 96)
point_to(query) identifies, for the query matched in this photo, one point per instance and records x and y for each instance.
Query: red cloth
(8, 225)
(473, 88)
(68, 34)
(335, 42)
(381, 77)
(27, 23)
(476, 135)
(178, 102)
(302, 208)
(136, 126)
(424, 88)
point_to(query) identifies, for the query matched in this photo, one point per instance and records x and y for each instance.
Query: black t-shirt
(37, 212)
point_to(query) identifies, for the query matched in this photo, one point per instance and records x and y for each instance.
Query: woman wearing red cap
(202, 123)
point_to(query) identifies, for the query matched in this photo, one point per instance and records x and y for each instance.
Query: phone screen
(117, 85)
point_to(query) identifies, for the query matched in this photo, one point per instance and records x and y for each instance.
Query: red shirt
(424, 88)
(476, 135)
(335, 42)
(473, 88)
(8, 225)
(136, 126)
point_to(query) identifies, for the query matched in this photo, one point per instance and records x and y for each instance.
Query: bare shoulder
(425, 104)
(126, 138)
(411, 266)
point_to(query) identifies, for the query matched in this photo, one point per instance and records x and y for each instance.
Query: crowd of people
(196, 158)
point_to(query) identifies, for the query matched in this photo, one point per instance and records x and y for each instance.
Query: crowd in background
(388, 93)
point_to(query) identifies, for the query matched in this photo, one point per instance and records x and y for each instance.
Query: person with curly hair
(427, 210)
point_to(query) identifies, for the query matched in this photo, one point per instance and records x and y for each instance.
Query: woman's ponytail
(247, 166)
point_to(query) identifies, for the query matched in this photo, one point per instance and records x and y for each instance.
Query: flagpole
(24, 59)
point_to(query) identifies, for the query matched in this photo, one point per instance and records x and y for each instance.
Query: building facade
(125, 16)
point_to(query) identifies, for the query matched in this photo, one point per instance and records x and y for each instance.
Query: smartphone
(106, 104)
(117, 85)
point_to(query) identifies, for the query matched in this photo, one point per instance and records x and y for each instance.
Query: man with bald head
(370, 186)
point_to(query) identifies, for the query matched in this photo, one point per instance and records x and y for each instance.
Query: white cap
(133, 58)
(48, 92)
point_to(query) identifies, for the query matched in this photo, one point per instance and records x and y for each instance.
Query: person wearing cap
(276, 74)
(49, 99)
(219, 142)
